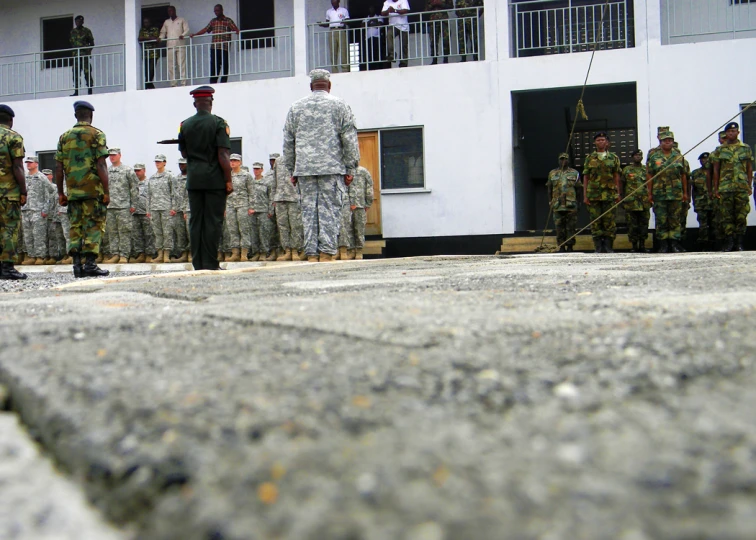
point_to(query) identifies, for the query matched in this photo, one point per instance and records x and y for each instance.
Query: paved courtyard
(550, 397)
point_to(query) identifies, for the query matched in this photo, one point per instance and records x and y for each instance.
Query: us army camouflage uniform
(142, 235)
(637, 206)
(39, 193)
(320, 147)
(178, 223)
(345, 239)
(601, 192)
(159, 206)
(439, 27)
(11, 147)
(79, 148)
(55, 247)
(467, 31)
(288, 209)
(237, 210)
(275, 237)
(260, 224)
(703, 206)
(187, 214)
(81, 39)
(123, 184)
(564, 203)
(360, 193)
(60, 235)
(734, 186)
(667, 191)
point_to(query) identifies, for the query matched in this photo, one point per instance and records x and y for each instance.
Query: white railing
(82, 70)
(253, 53)
(556, 27)
(371, 44)
(715, 19)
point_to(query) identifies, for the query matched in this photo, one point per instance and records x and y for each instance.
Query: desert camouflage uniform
(122, 182)
(360, 193)
(564, 203)
(238, 204)
(667, 191)
(702, 205)
(345, 239)
(178, 223)
(637, 206)
(187, 214)
(11, 147)
(601, 192)
(734, 186)
(39, 193)
(142, 235)
(159, 206)
(320, 147)
(260, 224)
(288, 209)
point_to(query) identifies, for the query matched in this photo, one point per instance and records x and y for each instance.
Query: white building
(461, 150)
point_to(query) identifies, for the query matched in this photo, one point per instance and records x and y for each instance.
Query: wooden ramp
(374, 247)
(583, 242)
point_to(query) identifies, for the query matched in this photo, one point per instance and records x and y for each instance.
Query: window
(236, 146)
(748, 126)
(254, 15)
(46, 160)
(157, 16)
(56, 35)
(402, 159)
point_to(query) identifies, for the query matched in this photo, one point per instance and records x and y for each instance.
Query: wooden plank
(369, 159)
(374, 247)
(583, 242)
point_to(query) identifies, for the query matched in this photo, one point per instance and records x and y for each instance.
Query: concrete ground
(563, 396)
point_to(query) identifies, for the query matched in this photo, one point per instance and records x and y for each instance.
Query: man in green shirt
(637, 207)
(601, 189)
(561, 187)
(700, 191)
(149, 36)
(204, 142)
(667, 191)
(82, 40)
(12, 192)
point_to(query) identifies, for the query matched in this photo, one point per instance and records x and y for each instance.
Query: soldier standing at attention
(159, 207)
(685, 207)
(185, 214)
(715, 202)
(637, 206)
(345, 240)
(36, 210)
(733, 172)
(204, 142)
(238, 210)
(142, 235)
(275, 237)
(360, 191)
(178, 223)
(12, 192)
(260, 216)
(700, 191)
(288, 211)
(321, 151)
(601, 185)
(667, 191)
(81, 158)
(561, 186)
(123, 200)
(82, 40)
(55, 249)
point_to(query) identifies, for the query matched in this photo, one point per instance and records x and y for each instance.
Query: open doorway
(542, 122)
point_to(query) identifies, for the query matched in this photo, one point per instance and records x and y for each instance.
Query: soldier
(260, 217)
(185, 208)
(288, 211)
(149, 36)
(178, 223)
(561, 186)
(601, 189)
(715, 202)
(321, 151)
(685, 207)
(345, 240)
(667, 191)
(36, 210)
(123, 200)
(438, 28)
(637, 206)
(700, 192)
(238, 210)
(360, 191)
(159, 206)
(204, 142)
(733, 173)
(275, 240)
(142, 235)
(55, 247)
(81, 158)
(467, 27)
(12, 192)
(82, 40)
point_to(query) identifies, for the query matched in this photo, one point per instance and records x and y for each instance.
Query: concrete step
(583, 242)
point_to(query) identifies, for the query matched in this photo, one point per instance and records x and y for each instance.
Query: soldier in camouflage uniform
(700, 192)
(34, 213)
(12, 192)
(438, 28)
(288, 212)
(82, 40)
(715, 202)
(685, 207)
(345, 240)
(601, 189)
(561, 184)
(59, 236)
(733, 172)
(667, 191)
(159, 206)
(239, 206)
(637, 206)
(81, 159)
(123, 199)
(260, 216)
(178, 223)
(321, 150)
(360, 192)
(149, 35)
(467, 27)
(275, 237)
(186, 214)
(55, 248)
(142, 235)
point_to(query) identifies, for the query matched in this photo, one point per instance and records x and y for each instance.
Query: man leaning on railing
(396, 11)
(175, 29)
(337, 17)
(80, 37)
(221, 26)
(467, 27)
(149, 35)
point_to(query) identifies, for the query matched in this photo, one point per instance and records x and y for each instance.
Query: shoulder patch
(228, 130)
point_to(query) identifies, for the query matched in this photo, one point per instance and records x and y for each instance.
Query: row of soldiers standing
(719, 190)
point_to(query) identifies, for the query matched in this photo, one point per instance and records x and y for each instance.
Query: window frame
(748, 136)
(51, 59)
(264, 37)
(45, 155)
(401, 190)
(240, 140)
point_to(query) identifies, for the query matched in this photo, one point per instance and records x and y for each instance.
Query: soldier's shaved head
(83, 115)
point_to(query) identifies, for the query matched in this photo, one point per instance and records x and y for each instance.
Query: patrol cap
(245, 168)
(181, 161)
(600, 134)
(722, 134)
(320, 75)
(666, 135)
(237, 157)
(274, 155)
(257, 165)
(732, 125)
(636, 152)
(138, 166)
(7, 110)
(83, 105)
(31, 159)
(703, 155)
(114, 151)
(160, 157)
(564, 155)
(46, 171)
(660, 129)
(202, 91)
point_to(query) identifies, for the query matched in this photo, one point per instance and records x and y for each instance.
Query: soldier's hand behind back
(62, 200)
(229, 188)
(22, 200)
(106, 199)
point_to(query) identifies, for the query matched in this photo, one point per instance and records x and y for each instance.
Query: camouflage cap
(160, 157)
(636, 152)
(722, 134)
(257, 165)
(114, 151)
(274, 155)
(319, 75)
(660, 129)
(564, 155)
(732, 125)
(46, 171)
(139, 166)
(236, 157)
(181, 161)
(31, 159)
(666, 135)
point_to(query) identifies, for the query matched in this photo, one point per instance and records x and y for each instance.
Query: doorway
(370, 159)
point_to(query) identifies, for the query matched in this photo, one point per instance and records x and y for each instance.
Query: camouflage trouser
(684, 208)
(56, 240)
(10, 226)
(275, 239)
(467, 37)
(716, 207)
(118, 231)
(35, 233)
(566, 224)
(237, 225)
(87, 219)
(357, 227)
(706, 231)
(142, 235)
(21, 243)
(345, 237)
(734, 210)
(187, 217)
(223, 240)
(289, 220)
(178, 230)
(79, 64)
(438, 29)
(667, 216)
(260, 226)
(605, 226)
(637, 225)
(321, 203)
(161, 225)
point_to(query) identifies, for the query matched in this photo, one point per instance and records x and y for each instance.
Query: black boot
(675, 247)
(7, 271)
(608, 245)
(568, 249)
(663, 246)
(739, 242)
(562, 249)
(90, 268)
(598, 246)
(728, 243)
(77, 265)
(642, 246)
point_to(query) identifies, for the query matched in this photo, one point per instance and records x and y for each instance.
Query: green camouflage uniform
(734, 186)
(467, 27)
(685, 206)
(151, 54)
(439, 27)
(79, 39)
(702, 204)
(79, 148)
(11, 147)
(564, 203)
(159, 205)
(637, 206)
(601, 192)
(716, 204)
(667, 191)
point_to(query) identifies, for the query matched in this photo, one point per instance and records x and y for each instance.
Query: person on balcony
(149, 36)
(175, 30)
(82, 40)
(221, 26)
(339, 40)
(467, 27)
(396, 11)
(375, 38)
(438, 28)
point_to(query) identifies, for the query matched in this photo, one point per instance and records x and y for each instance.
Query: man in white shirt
(396, 11)
(175, 30)
(336, 17)
(372, 53)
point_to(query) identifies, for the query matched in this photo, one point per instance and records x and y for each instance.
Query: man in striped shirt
(221, 26)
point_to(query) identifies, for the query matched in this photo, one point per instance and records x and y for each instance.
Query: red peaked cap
(203, 91)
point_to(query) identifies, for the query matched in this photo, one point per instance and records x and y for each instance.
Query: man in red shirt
(221, 27)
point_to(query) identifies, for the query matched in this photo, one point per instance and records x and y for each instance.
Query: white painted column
(490, 23)
(300, 38)
(132, 24)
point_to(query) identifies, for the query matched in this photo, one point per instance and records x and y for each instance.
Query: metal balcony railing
(558, 27)
(371, 43)
(685, 20)
(252, 54)
(41, 74)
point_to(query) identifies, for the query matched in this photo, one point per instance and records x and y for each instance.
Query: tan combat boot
(140, 258)
(132, 259)
(113, 259)
(326, 257)
(166, 256)
(244, 254)
(27, 260)
(66, 260)
(344, 252)
(189, 255)
(312, 258)
(50, 260)
(358, 254)
(181, 258)
(99, 258)
(286, 255)
(39, 261)
(255, 257)
(221, 256)
(271, 256)
(234, 256)
(122, 260)
(301, 255)
(350, 254)
(337, 257)
(157, 258)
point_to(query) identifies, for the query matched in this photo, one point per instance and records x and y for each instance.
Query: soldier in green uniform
(700, 193)
(667, 191)
(733, 173)
(637, 207)
(81, 158)
(149, 35)
(438, 28)
(204, 142)
(561, 187)
(601, 189)
(715, 202)
(12, 192)
(685, 207)
(467, 27)
(82, 40)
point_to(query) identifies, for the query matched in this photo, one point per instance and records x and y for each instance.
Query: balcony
(686, 21)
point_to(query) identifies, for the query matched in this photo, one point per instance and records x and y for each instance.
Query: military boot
(286, 256)
(123, 260)
(255, 257)
(739, 242)
(244, 254)
(608, 245)
(189, 256)
(271, 256)
(351, 254)
(158, 258)
(234, 256)
(140, 258)
(343, 254)
(301, 255)
(358, 254)
(663, 246)
(221, 257)
(184, 257)
(325, 257)
(7, 271)
(562, 249)
(100, 258)
(27, 260)
(113, 259)
(312, 258)
(728, 244)
(569, 249)
(66, 260)
(90, 268)
(166, 256)
(598, 245)
(50, 260)
(39, 261)
(132, 259)
(76, 261)
(642, 246)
